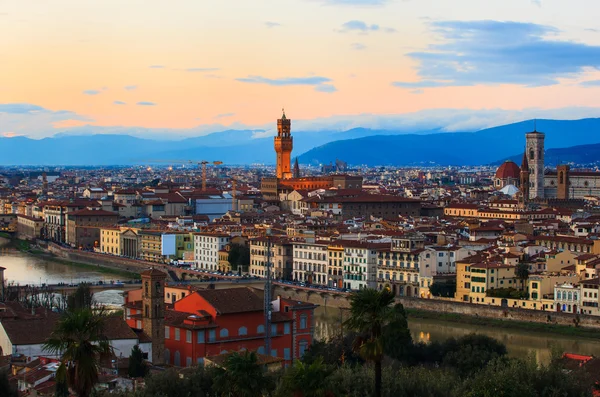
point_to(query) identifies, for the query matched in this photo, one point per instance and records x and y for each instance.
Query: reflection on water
(519, 343)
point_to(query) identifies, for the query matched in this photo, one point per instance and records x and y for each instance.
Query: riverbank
(26, 248)
(511, 324)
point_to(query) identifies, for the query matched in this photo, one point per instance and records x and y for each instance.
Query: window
(302, 347)
(200, 337)
(261, 350)
(260, 329)
(273, 329)
(177, 359)
(286, 328)
(224, 333)
(176, 333)
(167, 333)
(167, 356)
(242, 331)
(287, 353)
(212, 335)
(303, 322)
(188, 361)
(188, 336)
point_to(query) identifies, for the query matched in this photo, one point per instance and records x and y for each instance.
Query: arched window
(260, 329)
(243, 331)
(167, 356)
(561, 178)
(146, 286)
(177, 359)
(302, 347)
(224, 333)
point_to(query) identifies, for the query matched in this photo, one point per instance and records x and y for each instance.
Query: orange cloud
(10, 134)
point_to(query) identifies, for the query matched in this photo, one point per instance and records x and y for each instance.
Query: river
(22, 269)
(28, 269)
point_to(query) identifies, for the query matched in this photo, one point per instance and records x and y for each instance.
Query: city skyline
(189, 69)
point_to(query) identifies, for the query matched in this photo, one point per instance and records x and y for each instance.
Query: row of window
(202, 337)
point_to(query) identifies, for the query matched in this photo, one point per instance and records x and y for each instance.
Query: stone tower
(296, 169)
(153, 315)
(524, 178)
(283, 147)
(562, 175)
(535, 154)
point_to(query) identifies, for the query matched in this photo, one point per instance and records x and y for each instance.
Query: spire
(283, 116)
(534, 125)
(525, 163)
(296, 169)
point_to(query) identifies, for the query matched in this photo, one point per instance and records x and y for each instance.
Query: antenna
(534, 125)
(267, 294)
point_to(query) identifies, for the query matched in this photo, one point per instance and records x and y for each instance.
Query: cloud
(359, 26)
(130, 87)
(590, 83)
(224, 115)
(358, 46)
(325, 88)
(19, 108)
(10, 134)
(91, 92)
(201, 69)
(318, 82)
(144, 103)
(272, 24)
(417, 92)
(592, 30)
(479, 52)
(119, 103)
(36, 121)
(157, 66)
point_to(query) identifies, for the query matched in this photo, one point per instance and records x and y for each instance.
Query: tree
(470, 353)
(197, 383)
(241, 376)
(376, 322)
(137, 365)
(82, 298)
(305, 380)
(445, 289)
(522, 272)
(62, 387)
(239, 256)
(79, 340)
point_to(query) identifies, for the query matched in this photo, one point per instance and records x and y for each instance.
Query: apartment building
(206, 250)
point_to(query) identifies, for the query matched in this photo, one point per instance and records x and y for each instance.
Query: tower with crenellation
(284, 144)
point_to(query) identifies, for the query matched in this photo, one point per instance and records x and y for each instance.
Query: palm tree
(241, 376)
(370, 312)
(79, 341)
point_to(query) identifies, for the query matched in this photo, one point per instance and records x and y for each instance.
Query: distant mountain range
(581, 154)
(356, 146)
(459, 148)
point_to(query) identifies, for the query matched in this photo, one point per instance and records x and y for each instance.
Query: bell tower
(153, 314)
(283, 147)
(535, 154)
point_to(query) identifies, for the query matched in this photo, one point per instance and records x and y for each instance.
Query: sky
(168, 69)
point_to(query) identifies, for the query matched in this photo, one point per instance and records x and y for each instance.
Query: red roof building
(212, 322)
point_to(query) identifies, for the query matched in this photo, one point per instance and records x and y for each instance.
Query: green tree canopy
(137, 366)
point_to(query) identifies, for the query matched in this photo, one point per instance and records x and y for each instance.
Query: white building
(310, 262)
(206, 249)
(360, 264)
(214, 206)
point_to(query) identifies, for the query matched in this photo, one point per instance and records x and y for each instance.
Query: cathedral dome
(508, 169)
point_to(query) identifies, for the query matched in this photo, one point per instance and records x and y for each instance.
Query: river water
(27, 269)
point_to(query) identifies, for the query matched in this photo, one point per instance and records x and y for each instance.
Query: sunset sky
(186, 67)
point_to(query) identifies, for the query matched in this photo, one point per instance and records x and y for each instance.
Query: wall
(434, 305)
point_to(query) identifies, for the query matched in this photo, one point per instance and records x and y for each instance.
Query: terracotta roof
(232, 300)
(152, 272)
(29, 331)
(116, 328)
(509, 169)
(87, 212)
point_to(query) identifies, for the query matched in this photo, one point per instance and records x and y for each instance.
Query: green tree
(62, 387)
(195, 382)
(374, 319)
(137, 365)
(305, 380)
(241, 376)
(239, 257)
(445, 289)
(522, 272)
(470, 353)
(6, 389)
(82, 298)
(79, 340)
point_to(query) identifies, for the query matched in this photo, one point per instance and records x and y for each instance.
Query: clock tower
(283, 147)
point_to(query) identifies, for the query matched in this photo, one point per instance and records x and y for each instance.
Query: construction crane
(201, 164)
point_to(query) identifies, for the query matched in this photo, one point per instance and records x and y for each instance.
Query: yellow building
(463, 277)
(224, 264)
(151, 246)
(494, 275)
(110, 241)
